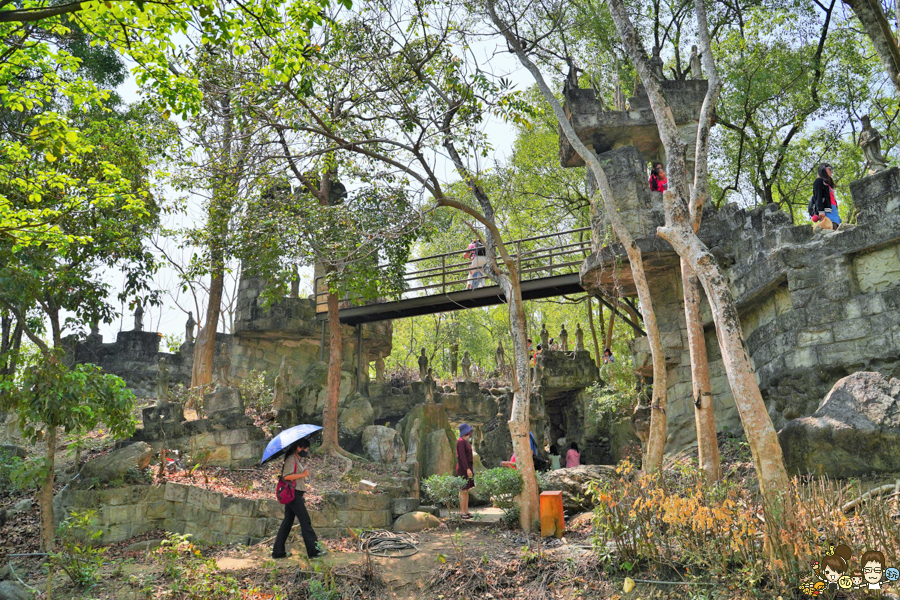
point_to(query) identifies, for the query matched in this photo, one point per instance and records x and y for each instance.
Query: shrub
(444, 489)
(503, 485)
(9, 465)
(257, 394)
(77, 555)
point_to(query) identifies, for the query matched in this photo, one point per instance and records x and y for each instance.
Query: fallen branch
(895, 487)
(673, 582)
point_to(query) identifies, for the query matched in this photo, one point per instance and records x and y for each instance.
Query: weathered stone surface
(223, 402)
(13, 450)
(383, 444)
(401, 506)
(855, 431)
(143, 546)
(416, 521)
(353, 421)
(574, 484)
(115, 464)
(10, 590)
(439, 455)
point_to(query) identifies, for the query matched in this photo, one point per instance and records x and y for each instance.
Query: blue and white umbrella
(281, 442)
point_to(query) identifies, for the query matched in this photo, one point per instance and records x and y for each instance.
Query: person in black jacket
(824, 197)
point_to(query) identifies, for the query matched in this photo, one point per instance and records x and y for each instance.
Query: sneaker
(285, 555)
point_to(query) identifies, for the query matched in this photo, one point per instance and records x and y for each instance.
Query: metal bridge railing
(441, 274)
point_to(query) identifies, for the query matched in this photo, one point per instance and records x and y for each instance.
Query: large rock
(115, 464)
(223, 402)
(352, 421)
(10, 590)
(416, 521)
(439, 455)
(383, 444)
(855, 431)
(574, 484)
(311, 394)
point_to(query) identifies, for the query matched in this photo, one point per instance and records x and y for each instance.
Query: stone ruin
(814, 306)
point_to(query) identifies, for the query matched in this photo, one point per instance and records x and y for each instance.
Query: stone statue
(379, 369)
(281, 384)
(545, 338)
(95, 336)
(572, 76)
(656, 64)
(224, 368)
(564, 339)
(139, 318)
(454, 358)
(579, 338)
(466, 366)
(423, 365)
(162, 383)
(870, 140)
(619, 97)
(501, 358)
(429, 386)
(189, 328)
(695, 66)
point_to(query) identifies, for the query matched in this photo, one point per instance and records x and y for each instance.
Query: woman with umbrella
(295, 474)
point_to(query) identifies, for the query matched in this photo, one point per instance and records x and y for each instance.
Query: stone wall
(815, 307)
(214, 517)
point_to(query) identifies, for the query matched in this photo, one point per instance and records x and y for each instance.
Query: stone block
(229, 438)
(238, 507)
(123, 514)
(220, 523)
(176, 492)
(248, 451)
(815, 336)
(223, 402)
(241, 526)
(197, 515)
(338, 500)
(851, 329)
(203, 441)
(116, 533)
(378, 519)
(195, 496)
(159, 510)
(839, 353)
(269, 508)
(212, 502)
(401, 506)
(370, 502)
(802, 358)
(220, 456)
(170, 413)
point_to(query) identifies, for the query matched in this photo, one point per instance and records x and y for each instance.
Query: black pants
(297, 508)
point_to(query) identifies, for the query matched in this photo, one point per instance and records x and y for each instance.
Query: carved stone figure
(466, 367)
(423, 365)
(619, 97)
(579, 338)
(695, 65)
(656, 64)
(870, 140)
(162, 383)
(95, 336)
(189, 328)
(545, 337)
(379, 369)
(429, 386)
(454, 359)
(224, 368)
(281, 384)
(139, 318)
(501, 357)
(564, 339)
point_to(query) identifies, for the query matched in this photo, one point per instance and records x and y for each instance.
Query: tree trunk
(330, 413)
(876, 26)
(519, 423)
(657, 439)
(205, 346)
(597, 352)
(609, 331)
(48, 529)
(704, 415)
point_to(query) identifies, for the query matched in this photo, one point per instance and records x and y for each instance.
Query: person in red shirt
(658, 180)
(464, 466)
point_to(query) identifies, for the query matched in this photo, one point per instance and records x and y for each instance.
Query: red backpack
(286, 490)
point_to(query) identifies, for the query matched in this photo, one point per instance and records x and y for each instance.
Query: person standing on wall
(658, 180)
(294, 471)
(464, 466)
(825, 200)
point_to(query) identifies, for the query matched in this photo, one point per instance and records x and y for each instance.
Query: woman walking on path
(464, 464)
(824, 199)
(294, 471)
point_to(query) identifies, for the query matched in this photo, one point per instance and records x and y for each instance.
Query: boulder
(10, 590)
(115, 464)
(383, 444)
(439, 455)
(311, 394)
(574, 484)
(352, 421)
(413, 522)
(855, 431)
(144, 546)
(13, 450)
